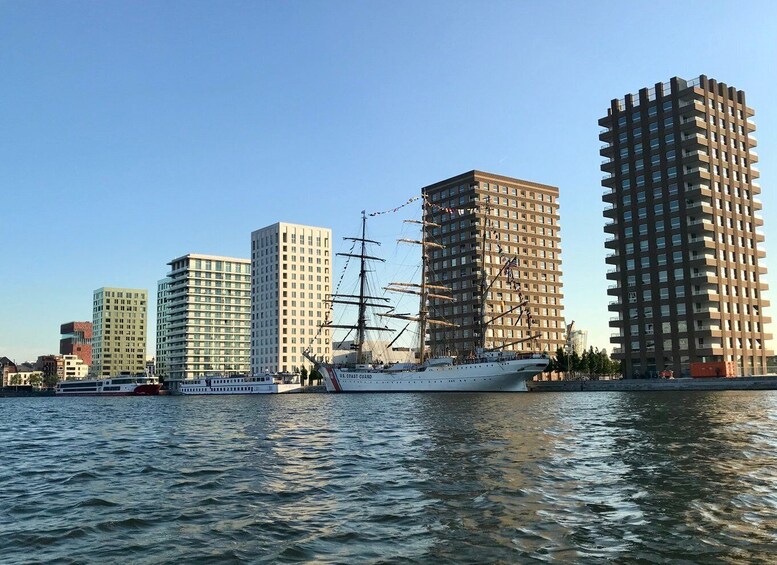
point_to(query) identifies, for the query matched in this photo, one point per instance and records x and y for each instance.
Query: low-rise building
(72, 367)
(6, 368)
(25, 375)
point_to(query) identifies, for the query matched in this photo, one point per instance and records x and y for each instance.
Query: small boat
(122, 385)
(237, 384)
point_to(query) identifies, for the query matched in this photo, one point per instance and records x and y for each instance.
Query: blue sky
(135, 132)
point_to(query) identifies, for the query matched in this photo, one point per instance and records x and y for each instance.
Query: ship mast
(423, 308)
(362, 300)
(481, 321)
(361, 324)
(423, 289)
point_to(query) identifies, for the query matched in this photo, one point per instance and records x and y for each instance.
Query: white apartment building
(203, 317)
(291, 279)
(119, 331)
(162, 312)
(71, 367)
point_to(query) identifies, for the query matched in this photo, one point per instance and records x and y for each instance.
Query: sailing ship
(482, 370)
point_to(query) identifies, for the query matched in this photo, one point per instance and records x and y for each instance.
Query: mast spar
(423, 289)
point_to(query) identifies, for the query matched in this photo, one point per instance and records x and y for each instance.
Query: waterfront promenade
(625, 385)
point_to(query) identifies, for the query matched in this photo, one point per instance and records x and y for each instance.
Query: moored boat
(237, 384)
(482, 369)
(122, 385)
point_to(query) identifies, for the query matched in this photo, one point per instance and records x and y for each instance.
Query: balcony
(692, 139)
(696, 156)
(701, 243)
(692, 108)
(689, 124)
(698, 207)
(706, 295)
(700, 226)
(702, 172)
(699, 189)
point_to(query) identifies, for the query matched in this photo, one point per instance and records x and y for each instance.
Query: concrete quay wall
(737, 383)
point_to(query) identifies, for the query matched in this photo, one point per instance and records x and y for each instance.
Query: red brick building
(76, 339)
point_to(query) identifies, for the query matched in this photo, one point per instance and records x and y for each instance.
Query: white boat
(490, 373)
(481, 370)
(122, 385)
(240, 384)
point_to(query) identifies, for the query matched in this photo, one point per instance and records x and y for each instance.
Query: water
(512, 478)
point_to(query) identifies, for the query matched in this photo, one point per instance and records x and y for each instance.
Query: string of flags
(413, 199)
(453, 211)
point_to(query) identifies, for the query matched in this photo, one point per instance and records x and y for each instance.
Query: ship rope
(329, 311)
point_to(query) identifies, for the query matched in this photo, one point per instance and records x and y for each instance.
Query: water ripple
(465, 478)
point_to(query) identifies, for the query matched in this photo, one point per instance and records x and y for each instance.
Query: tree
(316, 376)
(50, 380)
(575, 362)
(36, 380)
(303, 374)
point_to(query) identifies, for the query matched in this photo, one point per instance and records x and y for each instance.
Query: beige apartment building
(71, 367)
(501, 260)
(119, 317)
(291, 279)
(203, 317)
(686, 251)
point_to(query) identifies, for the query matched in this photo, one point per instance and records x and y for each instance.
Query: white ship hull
(491, 376)
(232, 385)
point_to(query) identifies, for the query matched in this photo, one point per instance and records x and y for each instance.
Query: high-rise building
(119, 331)
(291, 280)
(578, 341)
(518, 222)
(686, 253)
(205, 307)
(76, 339)
(162, 328)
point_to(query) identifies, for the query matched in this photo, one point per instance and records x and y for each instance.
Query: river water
(478, 478)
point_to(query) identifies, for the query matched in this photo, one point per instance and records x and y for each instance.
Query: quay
(767, 382)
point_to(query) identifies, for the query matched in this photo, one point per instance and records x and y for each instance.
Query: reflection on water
(585, 477)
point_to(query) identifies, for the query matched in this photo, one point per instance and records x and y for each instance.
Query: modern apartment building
(162, 321)
(76, 339)
(71, 367)
(686, 256)
(119, 331)
(204, 313)
(506, 230)
(291, 280)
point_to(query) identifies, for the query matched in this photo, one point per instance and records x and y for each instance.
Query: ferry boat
(237, 384)
(483, 369)
(122, 385)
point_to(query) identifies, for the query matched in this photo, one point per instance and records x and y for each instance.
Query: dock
(766, 382)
